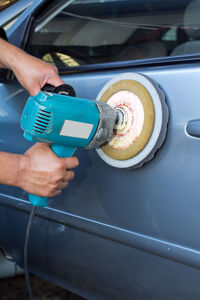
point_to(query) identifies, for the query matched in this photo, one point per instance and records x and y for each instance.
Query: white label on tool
(76, 129)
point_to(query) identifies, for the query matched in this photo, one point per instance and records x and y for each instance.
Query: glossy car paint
(13, 11)
(115, 234)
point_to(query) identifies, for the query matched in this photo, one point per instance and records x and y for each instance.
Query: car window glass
(95, 31)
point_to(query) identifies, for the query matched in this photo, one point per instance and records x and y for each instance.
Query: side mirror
(5, 74)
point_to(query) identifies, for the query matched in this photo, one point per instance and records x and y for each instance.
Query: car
(114, 233)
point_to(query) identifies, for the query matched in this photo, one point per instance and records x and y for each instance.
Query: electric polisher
(67, 123)
(126, 126)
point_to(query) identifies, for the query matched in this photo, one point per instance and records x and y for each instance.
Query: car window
(94, 32)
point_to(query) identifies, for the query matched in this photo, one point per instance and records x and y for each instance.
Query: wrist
(23, 163)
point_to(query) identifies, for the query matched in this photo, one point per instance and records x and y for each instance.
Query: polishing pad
(141, 131)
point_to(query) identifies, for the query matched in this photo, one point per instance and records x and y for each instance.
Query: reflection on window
(63, 58)
(9, 24)
(94, 32)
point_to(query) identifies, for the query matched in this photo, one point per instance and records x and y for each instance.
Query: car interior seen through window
(95, 32)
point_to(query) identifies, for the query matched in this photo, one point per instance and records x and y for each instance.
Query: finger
(69, 175)
(71, 162)
(34, 90)
(56, 192)
(62, 185)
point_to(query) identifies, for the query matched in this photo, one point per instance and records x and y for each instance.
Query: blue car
(124, 229)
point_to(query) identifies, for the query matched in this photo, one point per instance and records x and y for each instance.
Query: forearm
(8, 54)
(9, 168)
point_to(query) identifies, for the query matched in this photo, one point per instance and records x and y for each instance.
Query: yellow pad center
(138, 102)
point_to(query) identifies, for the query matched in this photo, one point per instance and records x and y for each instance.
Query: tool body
(67, 123)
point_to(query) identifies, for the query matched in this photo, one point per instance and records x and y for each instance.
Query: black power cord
(28, 284)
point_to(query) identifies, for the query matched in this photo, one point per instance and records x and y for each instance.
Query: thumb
(34, 90)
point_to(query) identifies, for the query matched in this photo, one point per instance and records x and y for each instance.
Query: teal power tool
(67, 123)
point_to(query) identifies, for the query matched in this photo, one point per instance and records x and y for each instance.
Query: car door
(115, 233)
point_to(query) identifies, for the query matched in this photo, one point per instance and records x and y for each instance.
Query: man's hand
(30, 71)
(34, 73)
(42, 173)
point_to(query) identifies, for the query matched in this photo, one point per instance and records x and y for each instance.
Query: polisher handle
(61, 151)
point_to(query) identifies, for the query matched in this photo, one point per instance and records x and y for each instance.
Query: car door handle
(193, 128)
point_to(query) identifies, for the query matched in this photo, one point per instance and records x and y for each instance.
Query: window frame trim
(140, 63)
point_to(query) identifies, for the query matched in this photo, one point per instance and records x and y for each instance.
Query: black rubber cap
(63, 89)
